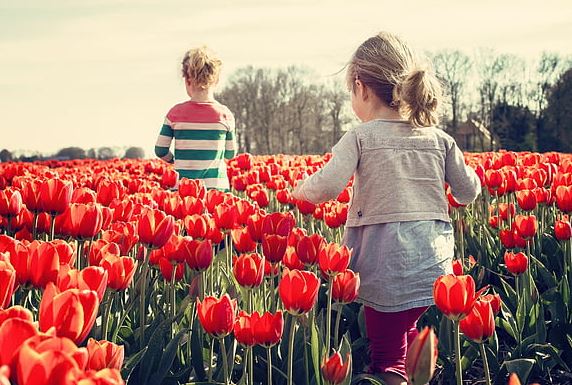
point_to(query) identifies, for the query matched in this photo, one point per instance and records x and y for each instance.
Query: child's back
(203, 128)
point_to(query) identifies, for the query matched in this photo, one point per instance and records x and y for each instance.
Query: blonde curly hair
(201, 67)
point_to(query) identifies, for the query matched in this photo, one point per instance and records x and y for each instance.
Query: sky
(93, 73)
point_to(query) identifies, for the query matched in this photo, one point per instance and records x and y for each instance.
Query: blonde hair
(399, 78)
(201, 67)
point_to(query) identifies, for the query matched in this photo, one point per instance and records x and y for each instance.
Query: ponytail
(419, 97)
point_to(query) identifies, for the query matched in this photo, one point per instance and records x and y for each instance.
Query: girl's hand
(297, 192)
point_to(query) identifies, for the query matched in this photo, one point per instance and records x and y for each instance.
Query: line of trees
(522, 103)
(67, 153)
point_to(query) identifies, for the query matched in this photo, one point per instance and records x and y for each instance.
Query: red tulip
(454, 295)
(192, 206)
(268, 328)
(100, 249)
(104, 354)
(31, 194)
(562, 230)
(345, 287)
(167, 268)
(122, 210)
(513, 379)
(83, 195)
(169, 179)
(284, 196)
(102, 377)
(494, 179)
(517, 263)
(16, 311)
(479, 324)
(291, 259)
(217, 315)
(298, 291)
(334, 259)
(526, 226)
(50, 360)
(274, 247)
(526, 199)
(108, 191)
(506, 238)
(305, 207)
(7, 280)
(13, 333)
(261, 197)
(197, 226)
(55, 195)
(494, 300)
(254, 224)
(72, 312)
(278, 223)
(192, 188)
(422, 357)
(242, 241)
(308, 248)
(200, 254)
(249, 270)
(10, 202)
(86, 220)
(155, 228)
(244, 330)
(120, 271)
(457, 267)
(564, 198)
(334, 370)
(123, 234)
(91, 278)
(44, 263)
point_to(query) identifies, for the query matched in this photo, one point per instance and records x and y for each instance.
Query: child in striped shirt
(203, 128)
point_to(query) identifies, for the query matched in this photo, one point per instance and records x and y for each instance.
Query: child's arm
(463, 180)
(231, 146)
(162, 147)
(329, 182)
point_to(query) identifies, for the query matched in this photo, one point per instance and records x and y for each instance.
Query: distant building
(473, 136)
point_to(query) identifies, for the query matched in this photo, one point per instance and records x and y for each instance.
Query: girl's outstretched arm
(463, 180)
(329, 182)
(162, 147)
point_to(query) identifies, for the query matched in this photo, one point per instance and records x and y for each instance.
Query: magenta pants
(389, 335)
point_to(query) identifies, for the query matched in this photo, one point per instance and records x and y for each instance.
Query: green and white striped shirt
(204, 134)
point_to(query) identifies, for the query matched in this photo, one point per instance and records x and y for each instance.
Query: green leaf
(131, 364)
(154, 351)
(346, 348)
(360, 378)
(197, 358)
(317, 351)
(167, 358)
(522, 367)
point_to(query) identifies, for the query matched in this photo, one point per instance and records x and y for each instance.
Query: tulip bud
(422, 357)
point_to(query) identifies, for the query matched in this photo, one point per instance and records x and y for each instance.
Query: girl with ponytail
(398, 223)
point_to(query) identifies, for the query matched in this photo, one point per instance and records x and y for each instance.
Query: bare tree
(453, 68)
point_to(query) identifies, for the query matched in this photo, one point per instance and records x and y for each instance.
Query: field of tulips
(108, 275)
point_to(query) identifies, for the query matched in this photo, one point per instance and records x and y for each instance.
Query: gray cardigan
(399, 171)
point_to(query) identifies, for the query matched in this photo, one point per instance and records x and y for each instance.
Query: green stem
(291, 348)
(210, 375)
(251, 365)
(80, 244)
(329, 315)
(142, 299)
(458, 369)
(52, 226)
(173, 299)
(338, 319)
(269, 364)
(35, 227)
(105, 320)
(224, 360)
(485, 363)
